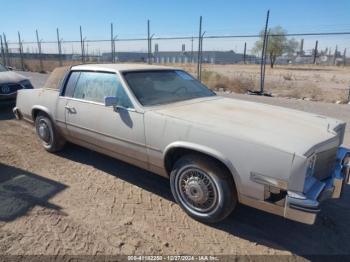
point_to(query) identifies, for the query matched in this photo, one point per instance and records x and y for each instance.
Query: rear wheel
(48, 135)
(203, 188)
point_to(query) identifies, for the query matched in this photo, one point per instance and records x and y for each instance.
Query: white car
(216, 151)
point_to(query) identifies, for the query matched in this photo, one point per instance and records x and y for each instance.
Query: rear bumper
(304, 208)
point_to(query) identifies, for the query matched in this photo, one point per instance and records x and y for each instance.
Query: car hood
(11, 77)
(282, 128)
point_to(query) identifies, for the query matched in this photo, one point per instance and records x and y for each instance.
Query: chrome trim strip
(112, 151)
(266, 180)
(9, 93)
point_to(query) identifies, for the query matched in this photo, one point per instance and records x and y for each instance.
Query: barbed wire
(190, 37)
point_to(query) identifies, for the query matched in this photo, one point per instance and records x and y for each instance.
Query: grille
(9, 88)
(325, 163)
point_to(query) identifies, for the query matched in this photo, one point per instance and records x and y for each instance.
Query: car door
(119, 133)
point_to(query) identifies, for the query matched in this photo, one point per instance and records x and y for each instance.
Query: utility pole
(262, 64)
(199, 50)
(59, 47)
(39, 49)
(344, 57)
(245, 52)
(82, 46)
(315, 51)
(21, 50)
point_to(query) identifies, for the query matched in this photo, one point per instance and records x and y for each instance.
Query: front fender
(208, 151)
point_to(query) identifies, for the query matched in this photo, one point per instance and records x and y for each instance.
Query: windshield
(2, 68)
(157, 87)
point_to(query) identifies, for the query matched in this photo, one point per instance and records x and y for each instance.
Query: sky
(172, 18)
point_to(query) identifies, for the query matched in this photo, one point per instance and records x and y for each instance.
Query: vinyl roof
(119, 67)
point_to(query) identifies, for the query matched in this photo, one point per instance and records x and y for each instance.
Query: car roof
(120, 67)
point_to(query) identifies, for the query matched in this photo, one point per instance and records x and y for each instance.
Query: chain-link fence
(315, 68)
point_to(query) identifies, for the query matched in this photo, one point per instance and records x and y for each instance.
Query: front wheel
(48, 135)
(203, 188)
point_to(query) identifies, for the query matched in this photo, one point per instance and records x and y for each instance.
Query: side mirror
(111, 101)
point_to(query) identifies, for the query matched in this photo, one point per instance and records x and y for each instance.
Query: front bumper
(304, 207)
(7, 97)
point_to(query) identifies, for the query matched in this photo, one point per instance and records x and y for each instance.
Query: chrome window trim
(120, 79)
(95, 103)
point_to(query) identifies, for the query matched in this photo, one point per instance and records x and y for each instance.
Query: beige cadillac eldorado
(217, 152)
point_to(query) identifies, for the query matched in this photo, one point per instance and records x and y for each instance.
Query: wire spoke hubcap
(197, 190)
(44, 132)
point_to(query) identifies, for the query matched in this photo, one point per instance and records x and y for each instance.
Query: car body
(217, 151)
(11, 82)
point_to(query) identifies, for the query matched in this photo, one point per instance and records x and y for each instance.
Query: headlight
(26, 84)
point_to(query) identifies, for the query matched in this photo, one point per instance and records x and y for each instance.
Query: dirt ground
(79, 202)
(314, 82)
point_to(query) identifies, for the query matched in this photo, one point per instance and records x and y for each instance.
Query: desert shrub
(217, 81)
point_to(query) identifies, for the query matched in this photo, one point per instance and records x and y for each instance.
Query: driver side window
(95, 86)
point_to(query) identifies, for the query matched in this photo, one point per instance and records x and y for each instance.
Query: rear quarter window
(71, 83)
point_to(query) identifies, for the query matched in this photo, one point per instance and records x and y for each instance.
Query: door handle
(70, 109)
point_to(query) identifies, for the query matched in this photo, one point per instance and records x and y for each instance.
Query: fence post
(265, 56)
(112, 45)
(344, 57)
(6, 51)
(201, 57)
(2, 52)
(82, 46)
(21, 51)
(192, 50)
(335, 55)
(39, 49)
(315, 51)
(262, 64)
(245, 52)
(59, 47)
(199, 50)
(149, 42)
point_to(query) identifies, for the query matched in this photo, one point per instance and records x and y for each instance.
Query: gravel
(82, 202)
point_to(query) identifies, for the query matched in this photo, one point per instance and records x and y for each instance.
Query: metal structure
(2, 51)
(199, 59)
(113, 40)
(245, 52)
(315, 52)
(152, 56)
(6, 47)
(344, 57)
(263, 55)
(59, 47)
(149, 42)
(82, 46)
(21, 50)
(39, 50)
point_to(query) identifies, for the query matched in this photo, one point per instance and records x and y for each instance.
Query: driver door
(118, 133)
